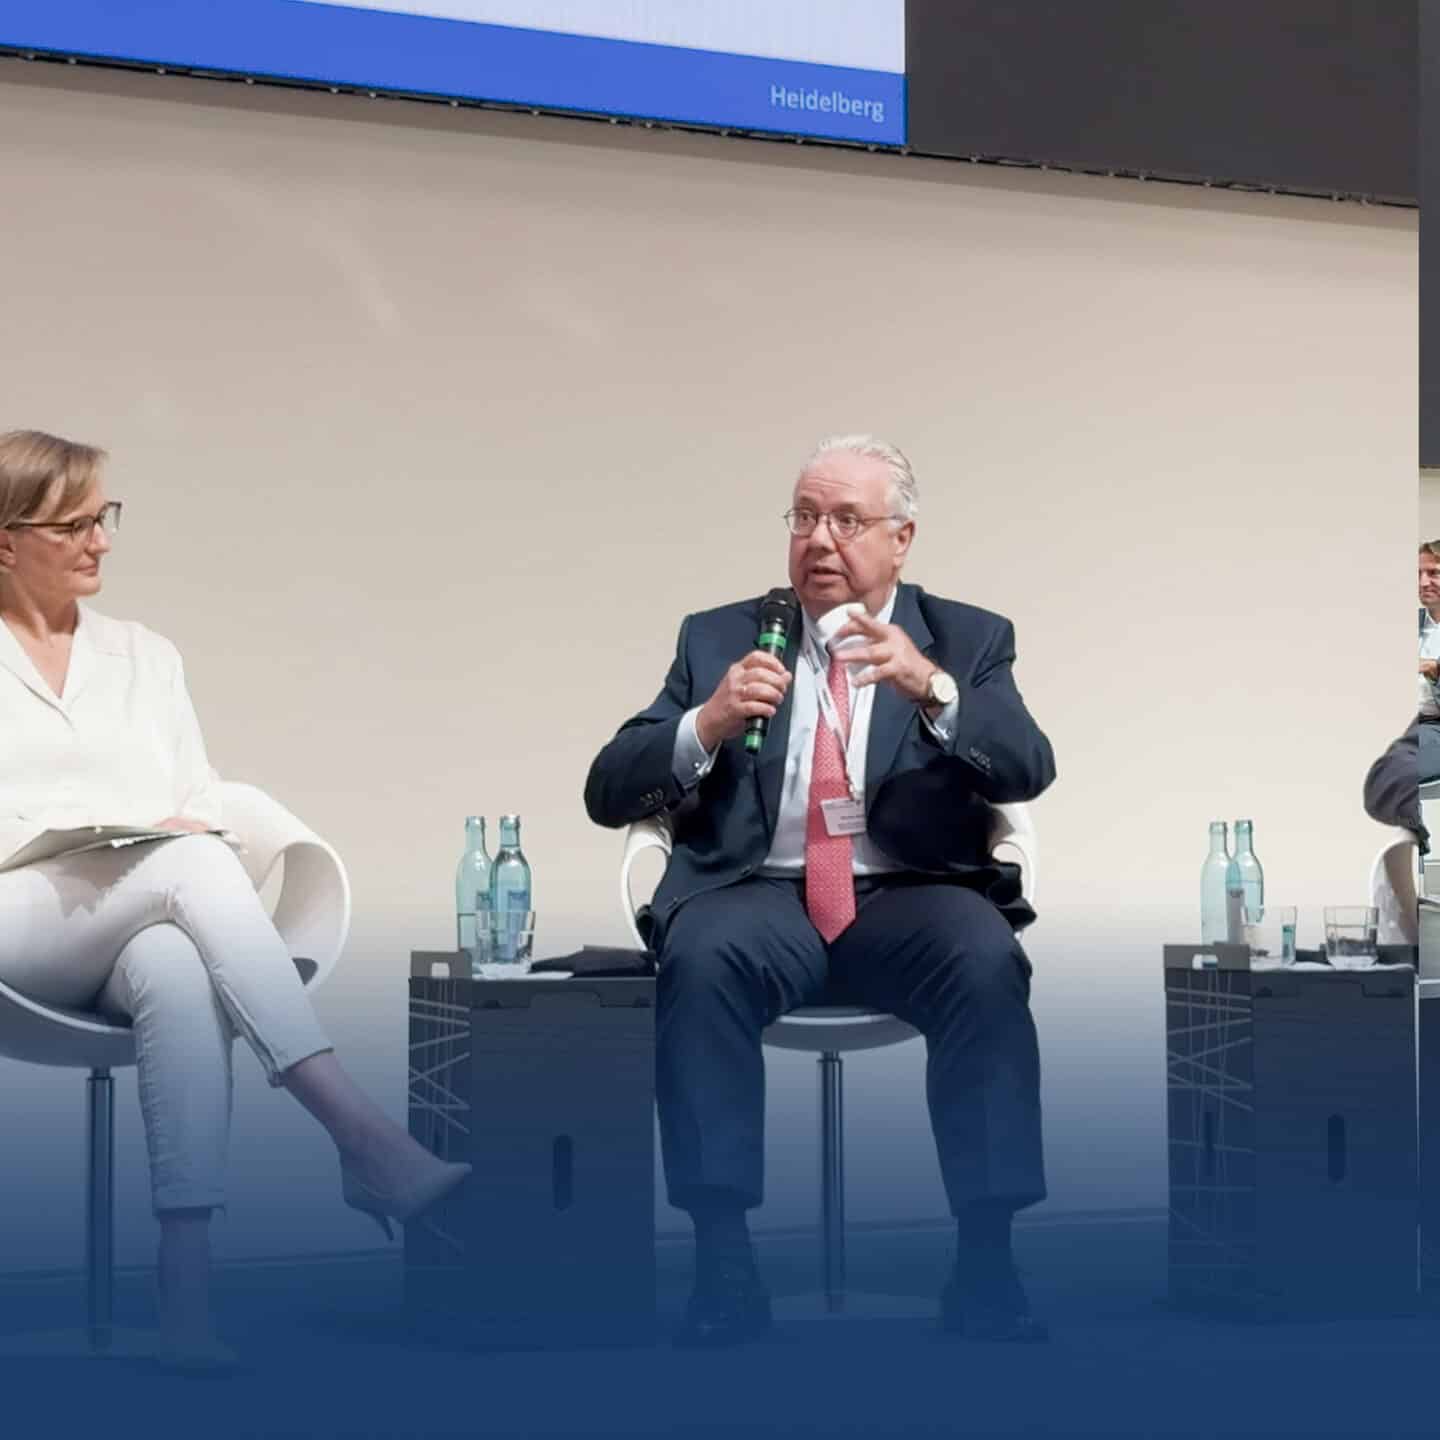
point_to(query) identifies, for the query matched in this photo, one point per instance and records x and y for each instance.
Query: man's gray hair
(904, 492)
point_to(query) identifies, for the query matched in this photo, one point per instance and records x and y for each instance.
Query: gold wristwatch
(941, 689)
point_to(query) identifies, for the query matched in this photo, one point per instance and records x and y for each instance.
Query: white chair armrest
(312, 912)
(1013, 840)
(651, 834)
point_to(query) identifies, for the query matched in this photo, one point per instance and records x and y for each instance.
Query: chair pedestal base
(833, 1301)
(98, 1338)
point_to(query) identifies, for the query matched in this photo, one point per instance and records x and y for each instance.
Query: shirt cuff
(942, 727)
(691, 761)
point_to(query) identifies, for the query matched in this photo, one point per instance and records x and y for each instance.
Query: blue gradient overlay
(339, 1339)
(422, 55)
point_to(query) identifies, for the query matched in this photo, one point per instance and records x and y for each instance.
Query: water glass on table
(1351, 933)
(1270, 934)
(512, 937)
(504, 944)
(482, 950)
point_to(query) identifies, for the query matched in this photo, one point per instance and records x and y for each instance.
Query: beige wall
(432, 425)
(1429, 504)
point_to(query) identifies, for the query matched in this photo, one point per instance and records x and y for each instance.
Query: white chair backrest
(312, 911)
(1393, 890)
(1012, 839)
(652, 833)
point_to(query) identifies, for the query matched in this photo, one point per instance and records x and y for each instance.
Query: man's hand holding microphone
(753, 689)
(754, 685)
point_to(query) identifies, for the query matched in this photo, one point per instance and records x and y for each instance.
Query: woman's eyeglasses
(78, 530)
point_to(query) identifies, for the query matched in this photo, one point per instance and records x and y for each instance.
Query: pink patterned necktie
(829, 878)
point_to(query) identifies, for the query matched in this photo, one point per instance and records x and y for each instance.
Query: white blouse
(121, 746)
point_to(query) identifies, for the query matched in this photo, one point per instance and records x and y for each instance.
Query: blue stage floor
(329, 1355)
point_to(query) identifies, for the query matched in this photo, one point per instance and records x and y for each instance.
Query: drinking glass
(1350, 936)
(1270, 934)
(482, 952)
(504, 944)
(514, 937)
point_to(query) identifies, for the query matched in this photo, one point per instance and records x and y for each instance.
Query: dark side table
(546, 1087)
(1292, 1136)
(1428, 1048)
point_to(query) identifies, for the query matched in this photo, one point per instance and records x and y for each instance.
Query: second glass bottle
(511, 900)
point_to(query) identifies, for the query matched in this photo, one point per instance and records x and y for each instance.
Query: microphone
(777, 610)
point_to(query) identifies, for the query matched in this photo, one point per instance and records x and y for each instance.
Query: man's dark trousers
(938, 956)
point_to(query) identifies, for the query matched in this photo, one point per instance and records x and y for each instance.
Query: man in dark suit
(849, 859)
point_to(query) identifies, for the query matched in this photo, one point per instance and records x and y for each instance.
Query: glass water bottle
(1213, 926)
(510, 897)
(1252, 876)
(472, 886)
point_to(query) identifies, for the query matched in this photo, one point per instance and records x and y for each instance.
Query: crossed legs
(174, 937)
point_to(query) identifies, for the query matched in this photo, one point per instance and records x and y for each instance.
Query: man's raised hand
(890, 655)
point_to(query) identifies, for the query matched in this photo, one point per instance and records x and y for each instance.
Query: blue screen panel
(768, 82)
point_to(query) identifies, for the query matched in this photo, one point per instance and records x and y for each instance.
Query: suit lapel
(770, 764)
(892, 713)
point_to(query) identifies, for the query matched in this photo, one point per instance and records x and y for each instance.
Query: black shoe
(727, 1307)
(994, 1308)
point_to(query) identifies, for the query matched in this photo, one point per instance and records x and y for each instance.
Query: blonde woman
(99, 729)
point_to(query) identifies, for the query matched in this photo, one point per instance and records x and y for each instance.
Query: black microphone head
(777, 609)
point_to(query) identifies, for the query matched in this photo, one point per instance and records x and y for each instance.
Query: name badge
(844, 816)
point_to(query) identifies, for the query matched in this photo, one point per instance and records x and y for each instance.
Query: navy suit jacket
(927, 804)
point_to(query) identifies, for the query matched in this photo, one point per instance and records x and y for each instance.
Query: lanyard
(849, 755)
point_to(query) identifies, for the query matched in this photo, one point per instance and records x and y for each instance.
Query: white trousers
(173, 937)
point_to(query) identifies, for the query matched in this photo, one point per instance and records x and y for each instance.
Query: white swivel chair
(830, 1030)
(1393, 889)
(312, 914)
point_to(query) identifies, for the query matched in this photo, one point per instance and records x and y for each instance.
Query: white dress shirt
(121, 746)
(1429, 650)
(787, 848)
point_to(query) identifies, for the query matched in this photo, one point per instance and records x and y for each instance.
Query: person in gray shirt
(1429, 676)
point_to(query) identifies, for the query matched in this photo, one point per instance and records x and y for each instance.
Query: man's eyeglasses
(78, 530)
(844, 524)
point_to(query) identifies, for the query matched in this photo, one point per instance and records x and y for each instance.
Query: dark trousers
(939, 957)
